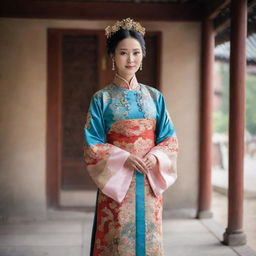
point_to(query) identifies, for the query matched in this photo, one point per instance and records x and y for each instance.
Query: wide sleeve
(165, 172)
(104, 161)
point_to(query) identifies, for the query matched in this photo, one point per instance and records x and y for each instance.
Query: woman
(130, 152)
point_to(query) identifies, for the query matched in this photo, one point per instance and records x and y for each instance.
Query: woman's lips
(130, 66)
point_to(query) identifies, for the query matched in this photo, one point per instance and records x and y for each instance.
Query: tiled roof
(222, 51)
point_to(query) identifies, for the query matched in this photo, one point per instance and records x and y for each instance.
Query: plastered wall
(23, 109)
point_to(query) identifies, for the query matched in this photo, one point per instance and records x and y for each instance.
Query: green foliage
(220, 121)
(224, 72)
(250, 106)
(220, 117)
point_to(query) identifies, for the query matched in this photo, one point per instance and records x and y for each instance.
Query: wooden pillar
(205, 186)
(234, 234)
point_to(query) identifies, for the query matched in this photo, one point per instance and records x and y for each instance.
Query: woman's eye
(122, 53)
(136, 53)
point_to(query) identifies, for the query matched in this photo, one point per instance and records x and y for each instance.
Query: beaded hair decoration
(128, 24)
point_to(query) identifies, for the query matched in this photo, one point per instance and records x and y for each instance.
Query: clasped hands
(142, 165)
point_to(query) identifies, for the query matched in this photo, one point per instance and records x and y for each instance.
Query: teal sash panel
(140, 215)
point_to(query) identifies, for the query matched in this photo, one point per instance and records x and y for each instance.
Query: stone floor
(68, 234)
(219, 207)
(219, 203)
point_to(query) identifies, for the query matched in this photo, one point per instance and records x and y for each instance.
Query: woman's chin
(131, 71)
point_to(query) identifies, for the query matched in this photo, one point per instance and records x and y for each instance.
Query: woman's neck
(127, 78)
(124, 83)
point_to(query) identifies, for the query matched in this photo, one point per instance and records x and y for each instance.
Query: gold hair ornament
(127, 24)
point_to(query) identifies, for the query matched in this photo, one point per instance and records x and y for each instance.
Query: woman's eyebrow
(127, 49)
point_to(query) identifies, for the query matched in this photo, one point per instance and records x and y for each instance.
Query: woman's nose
(130, 58)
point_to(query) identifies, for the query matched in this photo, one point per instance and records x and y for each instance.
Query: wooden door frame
(54, 96)
(159, 36)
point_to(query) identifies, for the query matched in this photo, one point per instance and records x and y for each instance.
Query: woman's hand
(150, 161)
(136, 163)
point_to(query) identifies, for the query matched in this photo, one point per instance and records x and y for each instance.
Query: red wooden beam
(214, 9)
(101, 11)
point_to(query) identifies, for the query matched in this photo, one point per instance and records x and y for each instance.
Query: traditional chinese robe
(125, 118)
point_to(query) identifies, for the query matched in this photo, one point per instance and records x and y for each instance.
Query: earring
(113, 64)
(141, 66)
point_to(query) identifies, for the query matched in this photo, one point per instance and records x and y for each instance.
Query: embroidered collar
(123, 83)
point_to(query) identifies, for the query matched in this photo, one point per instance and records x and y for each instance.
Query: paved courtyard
(219, 203)
(68, 234)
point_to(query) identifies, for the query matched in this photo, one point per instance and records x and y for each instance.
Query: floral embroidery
(145, 103)
(116, 225)
(139, 147)
(169, 145)
(133, 127)
(88, 120)
(120, 105)
(95, 153)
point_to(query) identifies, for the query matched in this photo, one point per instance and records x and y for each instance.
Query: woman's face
(128, 57)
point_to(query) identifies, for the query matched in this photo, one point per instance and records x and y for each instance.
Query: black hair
(121, 34)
